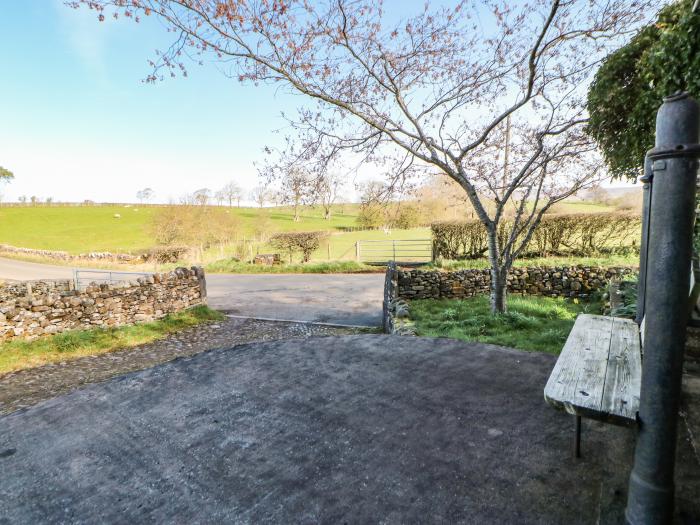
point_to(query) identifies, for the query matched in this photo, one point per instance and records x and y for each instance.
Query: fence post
(393, 245)
(357, 251)
(672, 212)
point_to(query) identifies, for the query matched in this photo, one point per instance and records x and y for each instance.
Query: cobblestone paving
(27, 387)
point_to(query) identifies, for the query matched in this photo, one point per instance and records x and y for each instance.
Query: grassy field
(80, 229)
(532, 323)
(17, 355)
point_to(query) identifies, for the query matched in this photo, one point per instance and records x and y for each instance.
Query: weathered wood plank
(578, 378)
(623, 378)
(582, 383)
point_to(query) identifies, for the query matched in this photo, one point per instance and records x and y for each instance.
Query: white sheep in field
(117, 215)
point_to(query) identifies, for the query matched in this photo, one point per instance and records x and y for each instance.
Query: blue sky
(77, 122)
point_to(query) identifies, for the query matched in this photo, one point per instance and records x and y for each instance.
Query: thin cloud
(86, 36)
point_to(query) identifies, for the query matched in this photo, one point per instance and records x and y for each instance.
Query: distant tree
(202, 196)
(194, 226)
(6, 175)
(664, 57)
(232, 192)
(297, 188)
(22, 199)
(145, 195)
(373, 204)
(219, 197)
(598, 194)
(49, 200)
(34, 200)
(260, 195)
(329, 188)
(407, 216)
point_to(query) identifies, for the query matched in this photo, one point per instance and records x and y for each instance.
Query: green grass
(80, 229)
(230, 266)
(532, 323)
(18, 355)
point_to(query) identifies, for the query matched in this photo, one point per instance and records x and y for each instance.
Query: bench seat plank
(598, 373)
(623, 380)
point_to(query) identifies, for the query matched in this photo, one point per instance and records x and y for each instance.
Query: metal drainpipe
(675, 166)
(646, 179)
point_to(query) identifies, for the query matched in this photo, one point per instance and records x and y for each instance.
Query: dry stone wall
(566, 281)
(35, 308)
(65, 256)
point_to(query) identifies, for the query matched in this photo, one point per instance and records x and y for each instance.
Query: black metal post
(646, 180)
(674, 165)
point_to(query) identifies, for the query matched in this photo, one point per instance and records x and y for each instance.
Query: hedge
(581, 234)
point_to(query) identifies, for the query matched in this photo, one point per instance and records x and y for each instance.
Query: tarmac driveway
(350, 299)
(354, 429)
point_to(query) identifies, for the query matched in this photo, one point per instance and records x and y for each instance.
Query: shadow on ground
(355, 429)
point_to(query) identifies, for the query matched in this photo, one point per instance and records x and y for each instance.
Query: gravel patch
(25, 388)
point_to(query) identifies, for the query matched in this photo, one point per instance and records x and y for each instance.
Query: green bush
(407, 216)
(292, 242)
(371, 216)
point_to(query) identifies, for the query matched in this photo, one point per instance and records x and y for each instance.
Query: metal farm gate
(406, 251)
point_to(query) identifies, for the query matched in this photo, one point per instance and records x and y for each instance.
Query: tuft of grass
(539, 324)
(18, 355)
(231, 266)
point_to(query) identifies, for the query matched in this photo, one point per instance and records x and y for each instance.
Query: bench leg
(577, 437)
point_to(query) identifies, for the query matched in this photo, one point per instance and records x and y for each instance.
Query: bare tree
(374, 199)
(328, 188)
(202, 196)
(297, 189)
(145, 195)
(232, 192)
(260, 195)
(432, 91)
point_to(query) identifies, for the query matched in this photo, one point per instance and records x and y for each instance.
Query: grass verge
(18, 355)
(539, 324)
(231, 266)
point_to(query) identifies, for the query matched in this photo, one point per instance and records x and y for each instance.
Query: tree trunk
(499, 290)
(498, 273)
(327, 215)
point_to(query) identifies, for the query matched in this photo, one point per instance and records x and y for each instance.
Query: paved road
(354, 299)
(339, 298)
(13, 270)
